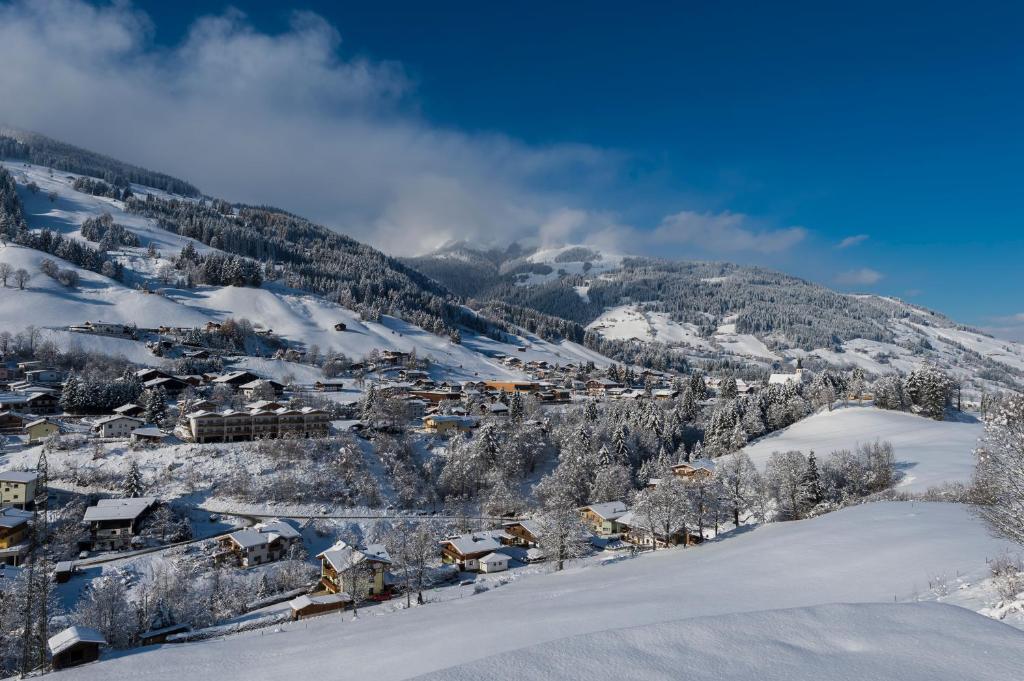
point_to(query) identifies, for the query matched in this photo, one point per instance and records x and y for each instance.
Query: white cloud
(852, 241)
(861, 277)
(724, 232)
(279, 119)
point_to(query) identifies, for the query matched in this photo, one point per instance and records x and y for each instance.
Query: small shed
(310, 606)
(63, 571)
(148, 434)
(74, 646)
(340, 326)
(494, 562)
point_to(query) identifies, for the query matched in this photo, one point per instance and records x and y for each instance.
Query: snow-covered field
(627, 322)
(875, 553)
(834, 642)
(928, 453)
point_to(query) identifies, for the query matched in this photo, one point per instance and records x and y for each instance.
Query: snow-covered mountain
(712, 311)
(561, 304)
(386, 306)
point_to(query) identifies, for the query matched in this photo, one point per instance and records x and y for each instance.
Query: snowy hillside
(712, 311)
(297, 316)
(928, 453)
(875, 553)
(835, 642)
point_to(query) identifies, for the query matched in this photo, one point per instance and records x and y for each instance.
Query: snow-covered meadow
(875, 553)
(928, 453)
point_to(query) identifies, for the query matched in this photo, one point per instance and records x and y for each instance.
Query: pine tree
(516, 408)
(811, 482)
(131, 486)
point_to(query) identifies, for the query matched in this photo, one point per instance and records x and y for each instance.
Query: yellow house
(347, 569)
(13, 526)
(444, 424)
(40, 429)
(18, 488)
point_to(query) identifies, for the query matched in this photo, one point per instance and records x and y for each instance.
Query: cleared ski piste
(928, 453)
(882, 553)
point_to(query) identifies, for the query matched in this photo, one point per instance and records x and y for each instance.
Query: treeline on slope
(43, 151)
(14, 228)
(765, 302)
(309, 257)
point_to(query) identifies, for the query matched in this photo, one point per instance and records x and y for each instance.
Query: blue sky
(736, 131)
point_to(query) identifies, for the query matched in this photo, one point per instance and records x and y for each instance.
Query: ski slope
(874, 553)
(928, 453)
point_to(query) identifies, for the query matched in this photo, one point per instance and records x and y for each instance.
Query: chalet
(40, 429)
(665, 393)
(494, 409)
(341, 562)
(148, 434)
(129, 409)
(113, 523)
(236, 379)
(638, 532)
(691, 470)
(11, 422)
(340, 326)
(465, 551)
(18, 488)
(445, 424)
(74, 646)
(40, 402)
(413, 375)
(252, 388)
(602, 518)
(523, 533)
(318, 604)
(555, 395)
(172, 385)
(212, 326)
(329, 385)
(149, 374)
(43, 402)
(116, 426)
(436, 396)
(197, 354)
(513, 386)
(13, 526)
(393, 357)
(494, 562)
(262, 543)
(600, 386)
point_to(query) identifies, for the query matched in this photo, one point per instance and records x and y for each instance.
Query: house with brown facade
(357, 571)
(602, 519)
(262, 543)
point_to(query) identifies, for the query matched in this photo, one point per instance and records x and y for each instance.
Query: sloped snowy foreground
(875, 553)
(923, 641)
(928, 453)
